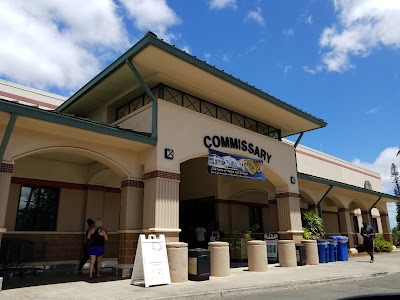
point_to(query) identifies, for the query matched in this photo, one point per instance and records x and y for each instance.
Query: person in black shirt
(368, 233)
(97, 235)
(86, 255)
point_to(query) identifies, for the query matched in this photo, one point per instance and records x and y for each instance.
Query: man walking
(368, 234)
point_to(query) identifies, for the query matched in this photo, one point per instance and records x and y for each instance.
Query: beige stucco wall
(71, 210)
(195, 180)
(48, 169)
(122, 156)
(34, 94)
(313, 162)
(139, 120)
(183, 131)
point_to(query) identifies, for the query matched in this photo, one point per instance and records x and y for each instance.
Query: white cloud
(207, 56)
(153, 15)
(382, 165)
(62, 44)
(314, 71)
(255, 15)
(226, 57)
(371, 111)
(55, 43)
(361, 27)
(288, 32)
(285, 69)
(220, 4)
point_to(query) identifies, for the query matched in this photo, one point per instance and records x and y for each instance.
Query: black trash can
(199, 264)
(301, 255)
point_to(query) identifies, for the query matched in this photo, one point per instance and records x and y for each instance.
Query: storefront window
(255, 219)
(37, 209)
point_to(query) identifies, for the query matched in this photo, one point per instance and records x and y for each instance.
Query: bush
(396, 236)
(312, 226)
(380, 245)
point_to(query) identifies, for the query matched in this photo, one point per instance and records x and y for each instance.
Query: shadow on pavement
(53, 277)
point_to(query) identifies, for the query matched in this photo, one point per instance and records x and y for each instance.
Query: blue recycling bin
(323, 251)
(333, 246)
(342, 252)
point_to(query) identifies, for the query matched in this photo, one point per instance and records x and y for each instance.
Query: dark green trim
(150, 39)
(320, 200)
(7, 135)
(345, 186)
(370, 210)
(71, 121)
(154, 104)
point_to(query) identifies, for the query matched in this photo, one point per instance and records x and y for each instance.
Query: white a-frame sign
(151, 261)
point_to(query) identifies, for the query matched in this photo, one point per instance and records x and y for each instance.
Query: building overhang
(142, 140)
(159, 62)
(355, 191)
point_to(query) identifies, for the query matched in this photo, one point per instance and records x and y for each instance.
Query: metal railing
(202, 106)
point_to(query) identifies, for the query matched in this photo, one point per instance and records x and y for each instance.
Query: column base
(296, 235)
(124, 271)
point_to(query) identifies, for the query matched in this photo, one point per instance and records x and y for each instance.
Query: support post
(154, 111)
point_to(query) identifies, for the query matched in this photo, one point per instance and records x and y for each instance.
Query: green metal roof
(151, 39)
(345, 186)
(73, 121)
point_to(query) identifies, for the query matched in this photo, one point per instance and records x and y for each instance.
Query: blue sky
(337, 60)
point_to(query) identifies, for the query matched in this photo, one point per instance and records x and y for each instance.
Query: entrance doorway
(194, 213)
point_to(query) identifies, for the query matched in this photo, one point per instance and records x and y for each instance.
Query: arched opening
(306, 202)
(54, 190)
(357, 208)
(224, 204)
(330, 206)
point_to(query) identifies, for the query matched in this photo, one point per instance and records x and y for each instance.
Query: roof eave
(70, 121)
(150, 39)
(345, 186)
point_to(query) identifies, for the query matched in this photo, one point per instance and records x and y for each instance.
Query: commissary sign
(231, 165)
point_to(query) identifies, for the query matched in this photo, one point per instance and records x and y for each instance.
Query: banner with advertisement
(232, 165)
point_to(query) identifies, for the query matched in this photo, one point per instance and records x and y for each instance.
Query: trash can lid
(338, 237)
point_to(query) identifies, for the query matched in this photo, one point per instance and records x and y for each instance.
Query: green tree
(394, 173)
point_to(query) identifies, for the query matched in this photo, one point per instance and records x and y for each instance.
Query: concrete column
(313, 207)
(161, 200)
(287, 253)
(130, 224)
(387, 233)
(219, 259)
(366, 217)
(311, 252)
(289, 216)
(94, 202)
(178, 261)
(257, 256)
(6, 170)
(345, 226)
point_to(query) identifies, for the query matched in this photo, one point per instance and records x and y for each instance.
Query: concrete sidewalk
(240, 283)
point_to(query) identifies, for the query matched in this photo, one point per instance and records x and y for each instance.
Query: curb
(275, 287)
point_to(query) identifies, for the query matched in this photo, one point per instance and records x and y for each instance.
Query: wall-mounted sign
(217, 141)
(168, 153)
(231, 165)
